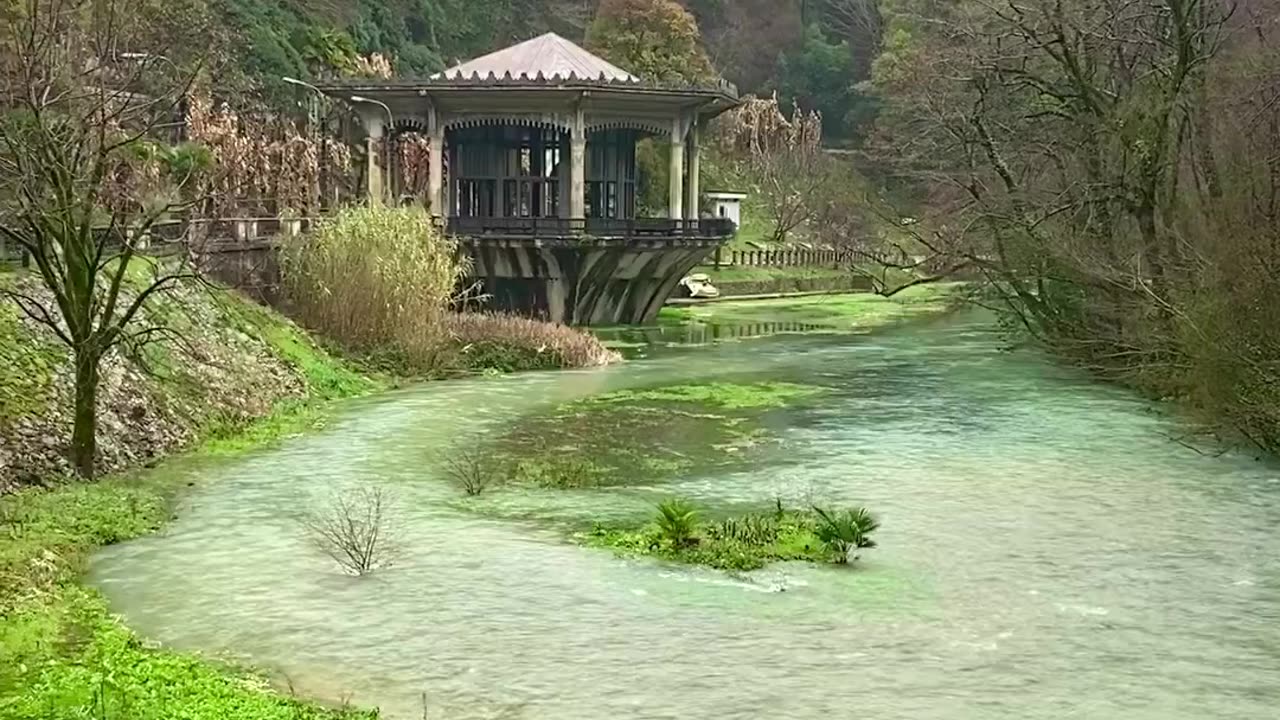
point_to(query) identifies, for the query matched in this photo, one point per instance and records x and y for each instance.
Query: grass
(747, 273)
(26, 364)
(327, 377)
(62, 653)
(850, 311)
(229, 436)
(73, 661)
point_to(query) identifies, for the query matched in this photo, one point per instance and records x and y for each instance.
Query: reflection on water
(1046, 553)
(701, 333)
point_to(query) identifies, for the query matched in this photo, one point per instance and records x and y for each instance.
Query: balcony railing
(557, 228)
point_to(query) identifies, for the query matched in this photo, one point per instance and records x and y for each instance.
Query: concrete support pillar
(675, 196)
(557, 302)
(692, 208)
(578, 168)
(374, 130)
(435, 171)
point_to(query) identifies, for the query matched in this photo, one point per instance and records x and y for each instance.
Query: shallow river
(1047, 552)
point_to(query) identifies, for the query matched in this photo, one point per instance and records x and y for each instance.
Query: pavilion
(532, 164)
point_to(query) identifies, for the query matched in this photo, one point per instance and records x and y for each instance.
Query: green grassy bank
(736, 281)
(837, 311)
(232, 376)
(62, 653)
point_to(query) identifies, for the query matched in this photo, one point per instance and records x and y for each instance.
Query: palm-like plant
(845, 532)
(677, 520)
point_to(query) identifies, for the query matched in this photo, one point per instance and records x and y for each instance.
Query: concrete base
(584, 281)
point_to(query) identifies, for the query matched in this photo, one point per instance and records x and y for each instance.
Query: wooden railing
(182, 235)
(637, 229)
(211, 234)
(786, 258)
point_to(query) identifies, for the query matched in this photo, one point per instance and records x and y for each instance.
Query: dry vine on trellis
(268, 164)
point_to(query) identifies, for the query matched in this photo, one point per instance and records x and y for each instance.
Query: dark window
(506, 171)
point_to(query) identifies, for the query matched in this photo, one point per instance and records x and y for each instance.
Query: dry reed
(526, 344)
(376, 280)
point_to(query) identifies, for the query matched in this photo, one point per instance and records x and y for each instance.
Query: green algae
(633, 437)
(730, 396)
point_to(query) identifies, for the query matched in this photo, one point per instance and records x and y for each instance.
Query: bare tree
(1108, 167)
(782, 155)
(861, 23)
(82, 182)
(471, 468)
(356, 528)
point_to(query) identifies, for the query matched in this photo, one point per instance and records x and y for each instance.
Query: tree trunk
(84, 432)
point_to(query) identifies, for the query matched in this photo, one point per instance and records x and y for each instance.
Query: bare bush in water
(355, 528)
(472, 469)
(377, 280)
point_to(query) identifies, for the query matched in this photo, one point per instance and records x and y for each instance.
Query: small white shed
(726, 205)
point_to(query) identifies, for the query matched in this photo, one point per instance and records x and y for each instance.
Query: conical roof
(546, 57)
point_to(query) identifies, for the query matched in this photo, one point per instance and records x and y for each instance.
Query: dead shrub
(472, 469)
(355, 528)
(509, 343)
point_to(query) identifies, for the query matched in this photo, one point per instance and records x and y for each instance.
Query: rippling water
(1047, 552)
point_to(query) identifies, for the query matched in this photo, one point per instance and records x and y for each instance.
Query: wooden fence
(809, 258)
(783, 258)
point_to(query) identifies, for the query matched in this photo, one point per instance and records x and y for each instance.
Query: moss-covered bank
(735, 281)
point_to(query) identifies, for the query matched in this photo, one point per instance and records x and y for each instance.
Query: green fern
(843, 533)
(677, 521)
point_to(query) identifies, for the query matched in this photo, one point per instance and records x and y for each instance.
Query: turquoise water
(1047, 552)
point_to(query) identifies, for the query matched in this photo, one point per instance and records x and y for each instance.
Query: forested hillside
(813, 51)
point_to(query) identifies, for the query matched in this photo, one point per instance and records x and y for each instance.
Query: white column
(450, 201)
(695, 172)
(374, 132)
(675, 195)
(435, 173)
(578, 168)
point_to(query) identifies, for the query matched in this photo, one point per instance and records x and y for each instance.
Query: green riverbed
(1046, 551)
